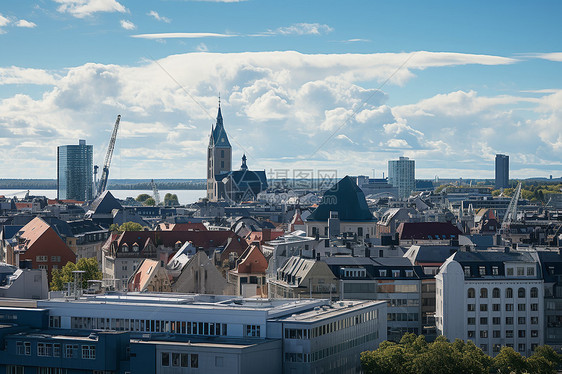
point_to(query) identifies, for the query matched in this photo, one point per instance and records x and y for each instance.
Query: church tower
(219, 158)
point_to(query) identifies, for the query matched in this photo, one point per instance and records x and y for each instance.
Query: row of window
(495, 271)
(54, 350)
(403, 302)
(508, 307)
(46, 258)
(497, 347)
(402, 316)
(471, 293)
(183, 360)
(508, 334)
(508, 320)
(142, 325)
(343, 323)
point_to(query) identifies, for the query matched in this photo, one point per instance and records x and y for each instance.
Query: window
(41, 258)
(521, 347)
(41, 349)
(496, 334)
(483, 293)
(165, 358)
(175, 359)
(409, 273)
(253, 330)
(471, 307)
(509, 320)
(382, 273)
(521, 307)
(89, 352)
(54, 322)
(496, 320)
(509, 293)
(194, 360)
(496, 348)
(534, 333)
(482, 270)
(55, 258)
(43, 267)
(508, 307)
(471, 321)
(483, 333)
(521, 292)
(183, 360)
(12, 369)
(530, 271)
(396, 273)
(483, 307)
(534, 307)
(520, 270)
(496, 307)
(471, 293)
(495, 271)
(69, 350)
(496, 293)
(484, 347)
(23, 348)
(534, 292)
(521, 333)
(483, 320)
(509, 334)
(509, 271)
(534, 320)
(521, 320)
(467, 271)
(471, 334)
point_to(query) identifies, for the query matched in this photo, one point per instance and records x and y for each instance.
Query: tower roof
(345, 198)
(218, 134)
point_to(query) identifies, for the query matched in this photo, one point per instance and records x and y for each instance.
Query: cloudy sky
(305, 85)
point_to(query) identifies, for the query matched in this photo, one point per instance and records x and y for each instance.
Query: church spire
(244, 166)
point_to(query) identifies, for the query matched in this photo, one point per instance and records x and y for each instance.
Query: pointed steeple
(219, 115)
(218, 135)
(244, 166)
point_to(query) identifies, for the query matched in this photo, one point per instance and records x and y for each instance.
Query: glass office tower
(75, 171)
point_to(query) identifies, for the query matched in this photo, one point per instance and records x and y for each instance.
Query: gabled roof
(345, 198)
(105, 203)
(34, 230)
(429, 254)
(252, 261)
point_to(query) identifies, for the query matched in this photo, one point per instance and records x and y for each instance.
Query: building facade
(493, 298)
(75, 169)
(502, 171)
(402, 175)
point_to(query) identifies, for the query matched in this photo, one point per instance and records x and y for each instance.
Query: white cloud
(182, 35)
(286, 105)
(555, 56)
(86, 8)
(202, 47)
(24, 23)
(158, 17)
(16, 75)
(303, 29)
(3, 22)
(127, 25)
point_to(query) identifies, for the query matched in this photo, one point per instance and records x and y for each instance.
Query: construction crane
(105, 171)
(155, 193)
(511, 213)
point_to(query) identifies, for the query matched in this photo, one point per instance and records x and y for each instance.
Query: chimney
(265, 235)
(333, 224)
(506, 249)
(318, 256)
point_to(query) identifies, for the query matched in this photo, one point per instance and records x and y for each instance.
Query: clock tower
(219, 158)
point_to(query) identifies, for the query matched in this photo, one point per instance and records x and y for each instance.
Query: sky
(315, 86)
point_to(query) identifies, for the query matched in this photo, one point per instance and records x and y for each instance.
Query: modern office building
(502, 171)
(162, 333)
(75, 168)
(402, 175)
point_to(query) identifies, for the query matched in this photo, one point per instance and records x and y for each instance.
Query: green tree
(142, 197)
(544, 360)
(126, 226)
(64, 275)
(150, 202)
(171, 199)
(508, 361)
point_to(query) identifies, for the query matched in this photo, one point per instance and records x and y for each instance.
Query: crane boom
(105, 172)
(511, 213)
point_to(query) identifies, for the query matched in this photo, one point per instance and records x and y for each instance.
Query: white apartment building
(494, 298)
(402, 175)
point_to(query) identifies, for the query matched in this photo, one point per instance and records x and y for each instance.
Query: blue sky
(316, 85)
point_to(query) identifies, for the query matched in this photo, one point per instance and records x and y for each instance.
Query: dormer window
(382, 273)
(135, 247)
(125, 248)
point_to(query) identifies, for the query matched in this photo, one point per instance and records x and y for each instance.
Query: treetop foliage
(65, 275)
(413, 355)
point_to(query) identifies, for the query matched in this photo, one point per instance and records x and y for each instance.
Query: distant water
(184, 196)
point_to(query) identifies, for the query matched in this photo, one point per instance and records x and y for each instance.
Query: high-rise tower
(75, 171)
(402, 175)
(219, 158)
(502, 171)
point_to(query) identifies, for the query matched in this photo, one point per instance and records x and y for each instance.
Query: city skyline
(343, 87)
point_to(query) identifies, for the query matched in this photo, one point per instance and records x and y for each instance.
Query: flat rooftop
(331, 310)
